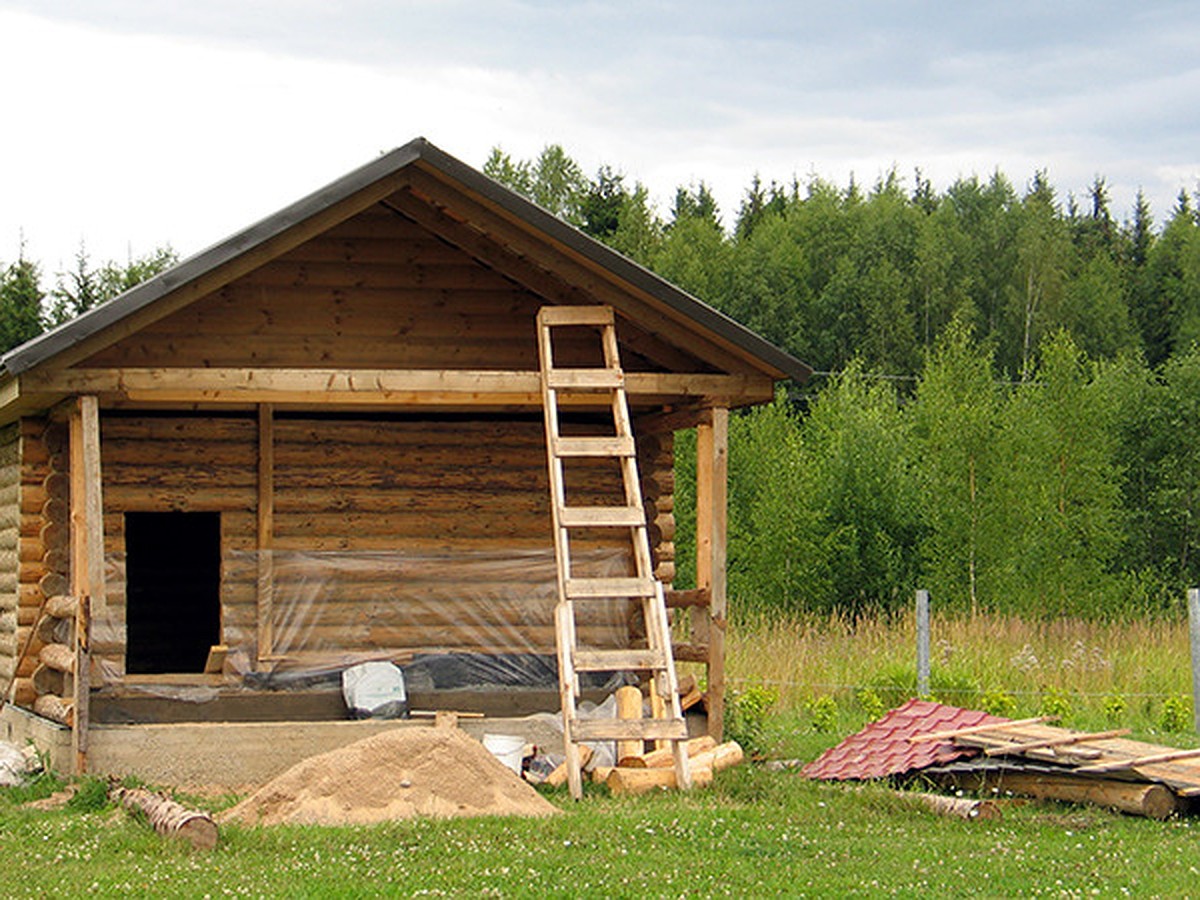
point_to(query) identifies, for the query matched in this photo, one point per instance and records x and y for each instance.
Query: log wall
(10, 523)
(442, 489)
(376, 291)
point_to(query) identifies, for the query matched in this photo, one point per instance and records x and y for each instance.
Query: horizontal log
(631, 782)
(693, 597)
(1153, 801)
(656, 759)
(59, 657)
(55, 708)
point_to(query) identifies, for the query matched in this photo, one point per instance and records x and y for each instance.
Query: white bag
(375, 690)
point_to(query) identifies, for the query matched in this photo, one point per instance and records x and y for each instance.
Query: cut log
(624, 781)
(1154, 801)
(62, 606)
(629, 706)
(52, 707)
(558, 777)
(23, 692)
(657, 759)
(48, 681)
(58, 656)
(168, 817)
(721, 757)
(961, 807)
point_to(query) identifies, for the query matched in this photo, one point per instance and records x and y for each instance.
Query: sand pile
(395, 775)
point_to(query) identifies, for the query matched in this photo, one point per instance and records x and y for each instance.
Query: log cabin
(319, 442)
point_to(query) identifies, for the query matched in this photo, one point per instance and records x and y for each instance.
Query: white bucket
(506, 748)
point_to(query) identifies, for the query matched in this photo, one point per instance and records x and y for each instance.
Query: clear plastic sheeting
(451, 620)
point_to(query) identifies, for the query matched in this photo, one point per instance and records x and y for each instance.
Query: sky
(130, 124)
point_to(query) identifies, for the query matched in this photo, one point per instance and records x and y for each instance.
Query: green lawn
(755, 833)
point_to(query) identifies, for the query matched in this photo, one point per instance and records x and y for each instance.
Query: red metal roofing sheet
(883, 748)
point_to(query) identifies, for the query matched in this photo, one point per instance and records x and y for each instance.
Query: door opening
(173, 590)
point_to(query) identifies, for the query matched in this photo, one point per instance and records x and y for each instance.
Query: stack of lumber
(1032, 758)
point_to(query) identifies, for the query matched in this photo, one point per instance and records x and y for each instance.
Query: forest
(1006, 383)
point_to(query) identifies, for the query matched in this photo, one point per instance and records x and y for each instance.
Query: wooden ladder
(604, 385)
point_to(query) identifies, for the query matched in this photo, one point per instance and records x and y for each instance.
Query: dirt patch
(438, 772)
(57, 800)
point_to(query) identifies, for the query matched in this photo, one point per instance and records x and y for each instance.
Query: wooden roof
(457, 204)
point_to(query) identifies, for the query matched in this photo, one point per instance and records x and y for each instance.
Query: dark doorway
(173, 590)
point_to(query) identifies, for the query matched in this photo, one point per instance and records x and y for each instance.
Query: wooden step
(601, 588)
(629, 729)
(619, 660)
(575, 315)
(601, 517)
(585, 379)
(595, 446)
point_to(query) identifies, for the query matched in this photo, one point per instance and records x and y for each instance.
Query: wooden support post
(922, 644)
(266, 530)
(87, 556)
(1193, 604)
(712, 453)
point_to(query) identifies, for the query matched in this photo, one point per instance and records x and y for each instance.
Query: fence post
(1193, 596)
(922, 643)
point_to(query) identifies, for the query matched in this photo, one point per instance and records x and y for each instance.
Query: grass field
(754, 833)
(832, 675)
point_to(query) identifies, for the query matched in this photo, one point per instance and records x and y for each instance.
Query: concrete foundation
(231, 755)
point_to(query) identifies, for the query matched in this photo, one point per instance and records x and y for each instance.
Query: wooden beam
(368, 386)
(977, 729)
(712, 458)
(266, 531)
(87, 554)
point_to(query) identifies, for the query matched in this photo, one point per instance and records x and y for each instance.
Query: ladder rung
(619, 660)
(575, 315)
(628, 729)
(594, 446)
(601, 516)
(585, 379)
(597, 588)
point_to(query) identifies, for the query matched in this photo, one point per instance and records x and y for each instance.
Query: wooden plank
(87, 551)
(617, 729)
(362, 386)
(619, 660)
(1051, 743)
(609, 588)
(602, 517)
(1138, 762)
(977, 729)
(621, 446)
(265, 529)
(712, 453)
(585, 379)
(576, 315)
